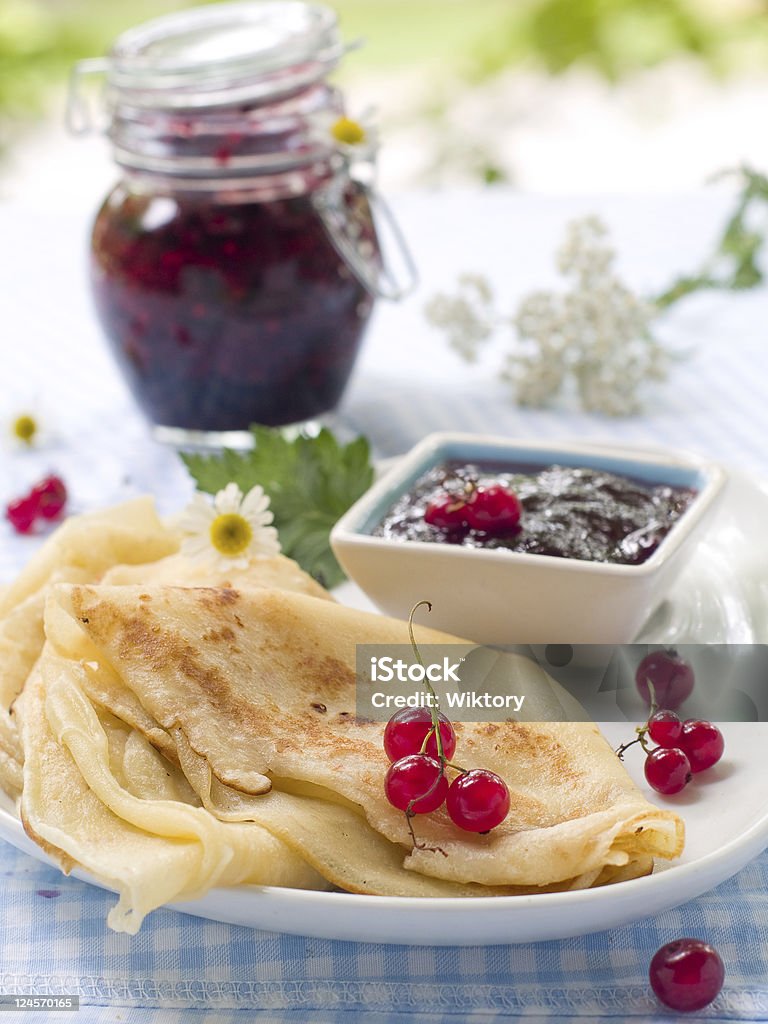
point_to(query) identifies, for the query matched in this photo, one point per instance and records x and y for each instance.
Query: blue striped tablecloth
(54, 940)
(52, 931)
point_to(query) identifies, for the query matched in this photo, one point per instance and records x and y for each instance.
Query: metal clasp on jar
(371, 266)
(79, 114)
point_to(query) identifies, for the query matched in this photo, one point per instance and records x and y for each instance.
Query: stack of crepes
(170, 728)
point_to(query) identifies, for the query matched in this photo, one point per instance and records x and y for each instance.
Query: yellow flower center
(24, 428)
(231, 534)
(350, 132)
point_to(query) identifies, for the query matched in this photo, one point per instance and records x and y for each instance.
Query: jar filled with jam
(235, 265)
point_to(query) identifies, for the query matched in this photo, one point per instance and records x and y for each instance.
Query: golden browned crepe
(239, 681)
(131, 819)
(125, 544)
(98, 796)
(81, 549)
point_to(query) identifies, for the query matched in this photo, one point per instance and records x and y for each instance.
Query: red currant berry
(447, 513)
(51, 496)
(478, 800)
(671, 675)
(493, 509)
(665, 728)
(22, 513)
(686, 974)
(667, 770)
(703, 743)
(416, 783)
(406, 730)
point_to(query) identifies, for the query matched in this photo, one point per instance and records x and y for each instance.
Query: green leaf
(311, 481)
(735, 263)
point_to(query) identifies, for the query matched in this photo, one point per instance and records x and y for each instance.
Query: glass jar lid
(219, 91)
(223, 53)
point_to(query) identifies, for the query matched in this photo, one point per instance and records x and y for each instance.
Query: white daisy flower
(355, 139)
(26, 430)
(233, 530)
(355, 135)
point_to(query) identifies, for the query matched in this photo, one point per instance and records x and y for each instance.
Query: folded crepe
(69, 811)
(97, 795)
(125, 544)
(129, 818)
(253, 694)
(80, 550)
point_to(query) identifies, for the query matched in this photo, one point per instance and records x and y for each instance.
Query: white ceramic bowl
(504, 597)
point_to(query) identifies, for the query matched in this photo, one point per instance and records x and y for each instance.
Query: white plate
(722, 597)
(726, 816)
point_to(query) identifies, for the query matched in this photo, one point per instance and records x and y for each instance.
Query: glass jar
(235, 265)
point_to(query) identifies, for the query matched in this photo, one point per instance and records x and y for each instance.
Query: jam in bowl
(564, 511)
(599, 536)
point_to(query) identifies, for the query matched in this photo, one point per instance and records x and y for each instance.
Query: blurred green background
(470, 42)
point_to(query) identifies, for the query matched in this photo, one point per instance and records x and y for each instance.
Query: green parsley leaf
(311, 482)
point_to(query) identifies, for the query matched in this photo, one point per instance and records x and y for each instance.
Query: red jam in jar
(234, 267)
(223, 315)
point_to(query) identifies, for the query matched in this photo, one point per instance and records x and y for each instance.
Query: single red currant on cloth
(51, 496)
(686, 974)
(703, 744)
(22, 514)
(407, 729)
(493, 510)
(478, 800)
(667, 770)
(46, 500)
(672, 678)
(416, 784)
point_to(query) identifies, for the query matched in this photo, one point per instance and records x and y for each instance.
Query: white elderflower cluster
(468, 317)
(595, 336)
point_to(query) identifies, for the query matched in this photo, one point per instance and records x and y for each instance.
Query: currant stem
(434, 710)
(427, 738)
(416, 843)
(641, 730)
(654, 702)
(434, 705)
(621, 750)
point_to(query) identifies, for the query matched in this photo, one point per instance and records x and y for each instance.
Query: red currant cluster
(416, 782)
(493, 510)
(684, 749)
(46, 500)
